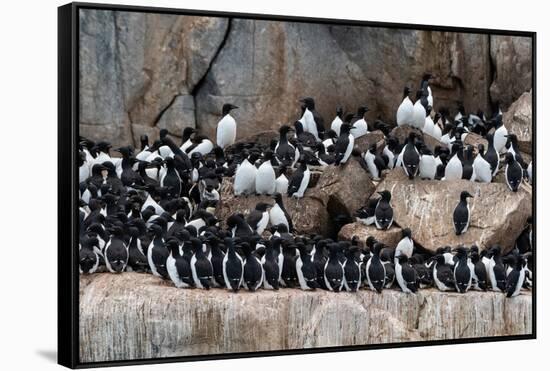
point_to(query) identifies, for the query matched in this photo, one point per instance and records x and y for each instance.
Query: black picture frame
(68, 114)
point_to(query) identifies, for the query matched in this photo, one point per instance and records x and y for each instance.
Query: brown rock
(518, 120)
(388, 237)
(498, 215)
(263, 138)
(136, 316)
(511, 57)
(344, 189)
(374, 137)
(402, 133)
(309, 214)
(474, 139)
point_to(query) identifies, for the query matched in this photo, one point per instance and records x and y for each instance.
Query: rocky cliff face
(133, 316)
(141, 72)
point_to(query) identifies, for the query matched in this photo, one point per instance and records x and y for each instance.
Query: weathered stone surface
(497, 214)
(374, 137)
(135, 65)
(474, 139)
(388, 237)
(511, 58)
(402, 133)
(309, 214)
(179, 115)
(519, 120)
(344, 188)
(135, 316)
(265, 67)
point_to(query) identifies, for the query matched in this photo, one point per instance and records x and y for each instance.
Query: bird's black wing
(445, 275)
(254, 218)
(409, 276)
(294, 182)
(460, 217)
(511, 282)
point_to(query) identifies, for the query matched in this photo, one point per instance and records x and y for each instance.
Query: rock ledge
(133, 316)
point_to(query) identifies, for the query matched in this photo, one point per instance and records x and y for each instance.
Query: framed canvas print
(236, 185)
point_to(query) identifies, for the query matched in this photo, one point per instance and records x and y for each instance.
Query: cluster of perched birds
(152, 209)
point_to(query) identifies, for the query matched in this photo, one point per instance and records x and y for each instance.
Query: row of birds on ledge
(154, 210)
(200, 254)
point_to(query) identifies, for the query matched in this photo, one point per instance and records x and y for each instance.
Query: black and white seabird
(177, 266)
(513, 172)
(270, 265)
(405, 246)
(375, 270)
(405, 275)
(410, 158)
(334, 271)
(299, 180)
(201, 267)
(232, 266)
(226, 132)
(516, 277)
(443, 275)
(462, 273)
(383, 213)
(404, 113)
(253, 273)
(352, 271)
(482, 168)
(278, 213)
(305, 269)
(461, 214)
(265, 175)
(344, 144)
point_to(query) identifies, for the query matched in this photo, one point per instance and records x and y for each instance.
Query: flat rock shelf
(133, 316)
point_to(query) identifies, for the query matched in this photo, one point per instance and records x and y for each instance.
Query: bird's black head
(464, 195)
(362, 110)
(386, 195)
(460, 251)
(103, 146)
(196, 243)
(192, 230)
(308, 102)
(268, 154)
(188, 131)
(172, 244)
(340, 112)
(371, 240)
(406, 232)
(406, 91)
(228, 107)
(427, 76)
